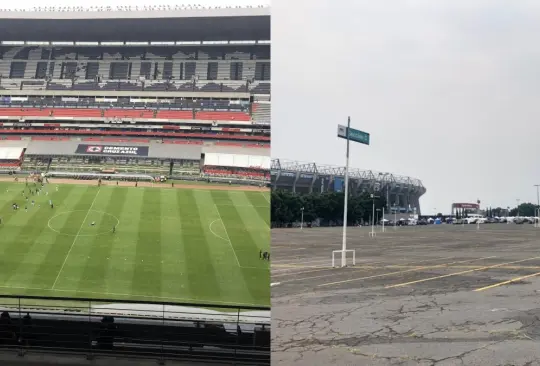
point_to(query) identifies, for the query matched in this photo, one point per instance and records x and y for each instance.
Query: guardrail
(131, 329)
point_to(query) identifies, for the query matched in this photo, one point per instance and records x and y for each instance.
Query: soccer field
(176, 245)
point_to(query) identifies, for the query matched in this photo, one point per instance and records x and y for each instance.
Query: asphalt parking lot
(429, 295)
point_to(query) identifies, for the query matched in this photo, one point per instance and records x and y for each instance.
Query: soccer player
(113, 228)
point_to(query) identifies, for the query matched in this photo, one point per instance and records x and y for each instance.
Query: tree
(498, 212)
(524, 209)
(286, 207)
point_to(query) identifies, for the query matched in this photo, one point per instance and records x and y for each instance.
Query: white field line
(228, 237)
(266, 198)
(74, 240)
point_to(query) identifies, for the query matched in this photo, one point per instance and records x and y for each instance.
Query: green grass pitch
(175, 245)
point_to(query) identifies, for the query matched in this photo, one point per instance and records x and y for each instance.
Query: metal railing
(132, 329)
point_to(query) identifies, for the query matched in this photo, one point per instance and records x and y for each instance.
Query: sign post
(349, 134)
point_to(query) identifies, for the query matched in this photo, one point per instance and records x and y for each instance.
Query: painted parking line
(300, 260)
(289, 273)
(507, 282)
(406, 271)
(289, 266)
(458, 273)
(471, 267)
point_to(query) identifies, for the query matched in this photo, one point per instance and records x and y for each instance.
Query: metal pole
(395, 217)
(387, 197)
(537, 210)
(383, 219)
(302, 220)
(344, 246)
(373, 219)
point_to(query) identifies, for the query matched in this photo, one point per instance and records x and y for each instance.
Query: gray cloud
(448, 90)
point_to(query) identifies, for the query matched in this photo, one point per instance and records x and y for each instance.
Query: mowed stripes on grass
(178, 245)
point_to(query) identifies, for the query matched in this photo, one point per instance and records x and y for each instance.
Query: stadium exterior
(402, 193)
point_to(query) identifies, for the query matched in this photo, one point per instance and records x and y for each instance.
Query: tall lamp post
(302, 219)
(395, 216)
(537, 210)
(372, 234)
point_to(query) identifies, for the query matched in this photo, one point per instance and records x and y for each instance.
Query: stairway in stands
(261, 113)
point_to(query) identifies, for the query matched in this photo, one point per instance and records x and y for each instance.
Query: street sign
(354, 135)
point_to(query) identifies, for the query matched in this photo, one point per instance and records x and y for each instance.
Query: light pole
(302, 220)
(395, 217)
(383, 220)
(537, 210)
(372, 234)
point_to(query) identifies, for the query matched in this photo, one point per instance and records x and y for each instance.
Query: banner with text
(112, 150)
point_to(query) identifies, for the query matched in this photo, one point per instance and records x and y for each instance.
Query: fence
(131, 329)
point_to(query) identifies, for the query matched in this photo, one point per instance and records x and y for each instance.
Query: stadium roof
(232, 24)
(314, 168)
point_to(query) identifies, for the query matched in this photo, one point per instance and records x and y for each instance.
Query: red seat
(175, 114)
(222, 116)
(229, 144)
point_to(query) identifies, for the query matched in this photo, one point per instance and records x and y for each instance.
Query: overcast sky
(448, 89)
(27, 4)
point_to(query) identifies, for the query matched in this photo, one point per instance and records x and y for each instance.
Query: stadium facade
(402, 193)
(177, 91)
(192, 79)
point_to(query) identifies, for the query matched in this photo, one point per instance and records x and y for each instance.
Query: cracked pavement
(351, 316)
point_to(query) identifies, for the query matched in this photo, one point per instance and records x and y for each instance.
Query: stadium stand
(11, 157)
(138, 106)
(181, 94)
